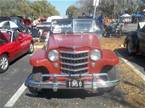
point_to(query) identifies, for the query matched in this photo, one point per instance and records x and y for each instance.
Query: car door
(13, 47)
(25, 40)
(22, 42)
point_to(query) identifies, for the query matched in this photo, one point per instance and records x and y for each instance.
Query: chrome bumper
(94, 84)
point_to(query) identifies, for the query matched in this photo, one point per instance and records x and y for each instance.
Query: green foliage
(72, 11)
(27, 8)
(43, 8)
(112, 8)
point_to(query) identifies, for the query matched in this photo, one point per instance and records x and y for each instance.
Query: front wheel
(34, 91)
(4, 63)
(106, 90)
(113, 74)
(130, 48)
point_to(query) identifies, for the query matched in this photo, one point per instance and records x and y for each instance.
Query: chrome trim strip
(77, 64)
(75, 70)
(74, 52)
(73, 75)
(68, 58)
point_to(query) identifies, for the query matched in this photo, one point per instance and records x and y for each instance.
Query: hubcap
(3, 63)
(31, 48)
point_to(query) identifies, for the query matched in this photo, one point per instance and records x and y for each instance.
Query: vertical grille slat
(74, 62)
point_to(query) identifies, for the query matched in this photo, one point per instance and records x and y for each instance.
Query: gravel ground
(131, 84)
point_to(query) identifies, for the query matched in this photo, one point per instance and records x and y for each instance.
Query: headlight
(95, 55)
(53, 55)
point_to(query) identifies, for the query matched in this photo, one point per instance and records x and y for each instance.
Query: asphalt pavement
(13, 78)
(13, 94)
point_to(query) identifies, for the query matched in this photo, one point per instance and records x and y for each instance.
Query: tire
(36, 70)
(130, 48)
(132, 43)
(105, 90)
(113, 74)
(31, 48)
(4, 63)
(34, 91)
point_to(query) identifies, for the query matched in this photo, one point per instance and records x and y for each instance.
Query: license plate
(75, 83)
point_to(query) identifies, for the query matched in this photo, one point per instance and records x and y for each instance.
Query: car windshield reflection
(74, 26)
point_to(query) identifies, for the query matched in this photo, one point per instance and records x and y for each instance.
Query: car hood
(73, 40)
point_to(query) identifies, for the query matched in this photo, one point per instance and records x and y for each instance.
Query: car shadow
(137, 59)
(116, 95)
(17, 59)
(64, 94)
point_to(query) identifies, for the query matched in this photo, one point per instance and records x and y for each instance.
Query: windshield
(62, 26)
(84, 26)
(74, 26)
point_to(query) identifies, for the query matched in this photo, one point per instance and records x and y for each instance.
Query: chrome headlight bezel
(95, 55)
(53, 55)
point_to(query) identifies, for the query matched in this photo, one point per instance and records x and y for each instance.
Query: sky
(62, 5)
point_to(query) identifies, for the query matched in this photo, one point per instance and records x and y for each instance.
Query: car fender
(109, 58)
(5, 50)
(39, 59)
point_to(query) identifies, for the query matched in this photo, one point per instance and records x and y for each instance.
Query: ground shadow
(64, 94)
(14, 61)
(116, 95)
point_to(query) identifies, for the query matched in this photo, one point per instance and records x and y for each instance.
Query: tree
(43, 8)
(85, 6)
(27, 8)
(23, 7)
(72, 11)
(110, 7)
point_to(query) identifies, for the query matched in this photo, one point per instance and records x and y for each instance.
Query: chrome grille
(74, 62)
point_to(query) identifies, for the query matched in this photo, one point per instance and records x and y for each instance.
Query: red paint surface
(17, 47)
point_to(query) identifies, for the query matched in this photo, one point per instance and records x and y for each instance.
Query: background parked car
(135, 40)
(13, 44)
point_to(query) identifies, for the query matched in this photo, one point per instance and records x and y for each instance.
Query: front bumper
(95, 83)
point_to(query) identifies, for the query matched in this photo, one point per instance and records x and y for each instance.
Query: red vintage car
(73, 59)
(13, 44)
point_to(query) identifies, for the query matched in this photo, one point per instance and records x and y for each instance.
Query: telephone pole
(95, 4)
